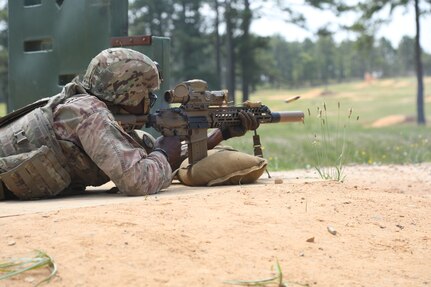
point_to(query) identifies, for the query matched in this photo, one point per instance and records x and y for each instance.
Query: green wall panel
(50, 41)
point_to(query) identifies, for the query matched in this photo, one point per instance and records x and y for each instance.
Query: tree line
(219, 47)
(200, 51)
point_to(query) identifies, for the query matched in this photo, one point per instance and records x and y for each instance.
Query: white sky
(272, 22)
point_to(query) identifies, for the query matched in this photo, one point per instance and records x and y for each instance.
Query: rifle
(199, 111)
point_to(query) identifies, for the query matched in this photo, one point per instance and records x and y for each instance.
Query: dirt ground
(204, 236)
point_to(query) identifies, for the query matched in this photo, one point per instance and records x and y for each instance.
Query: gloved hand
(248, 122)
(172, 147)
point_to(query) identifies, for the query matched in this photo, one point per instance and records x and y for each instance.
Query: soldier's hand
(172, 147)
(248, 122)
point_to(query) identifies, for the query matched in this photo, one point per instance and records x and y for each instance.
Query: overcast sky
(272, 22)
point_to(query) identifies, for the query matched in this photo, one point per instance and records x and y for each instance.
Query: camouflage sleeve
(115, 152)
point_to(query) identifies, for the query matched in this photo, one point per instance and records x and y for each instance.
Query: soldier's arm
(87, 122)
(127, 165)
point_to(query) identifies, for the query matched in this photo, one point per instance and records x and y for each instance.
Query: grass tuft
(17, 266)
(329, 143)
(276, 280)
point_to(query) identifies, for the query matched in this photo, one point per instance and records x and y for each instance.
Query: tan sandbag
(222, 167)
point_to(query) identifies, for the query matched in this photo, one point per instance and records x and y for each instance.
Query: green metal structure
(52, 41)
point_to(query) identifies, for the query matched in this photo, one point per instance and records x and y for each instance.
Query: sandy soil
(204, 236)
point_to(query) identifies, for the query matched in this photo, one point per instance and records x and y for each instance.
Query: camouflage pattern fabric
(87, 122)
(121, 76)
(93, 147)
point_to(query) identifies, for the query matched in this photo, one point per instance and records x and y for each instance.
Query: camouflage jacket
(87, 122)
(74, 137)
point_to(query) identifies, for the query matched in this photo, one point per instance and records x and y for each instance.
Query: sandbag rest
(222, 166)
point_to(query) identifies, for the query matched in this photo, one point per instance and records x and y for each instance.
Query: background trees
(368, 10)
(212, 40)
(215, 35)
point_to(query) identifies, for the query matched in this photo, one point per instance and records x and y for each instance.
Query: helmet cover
(121, 76)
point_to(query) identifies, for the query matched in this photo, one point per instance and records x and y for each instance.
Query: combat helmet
(121, 76)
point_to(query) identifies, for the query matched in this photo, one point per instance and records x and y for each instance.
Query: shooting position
(85, 135)
(199, 110)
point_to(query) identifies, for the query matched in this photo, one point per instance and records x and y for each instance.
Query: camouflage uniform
(81, 143)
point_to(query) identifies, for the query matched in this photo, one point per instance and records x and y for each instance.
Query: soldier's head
(121, 76)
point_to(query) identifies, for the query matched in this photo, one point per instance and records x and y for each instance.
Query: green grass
(2, 109)
(290, 145)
